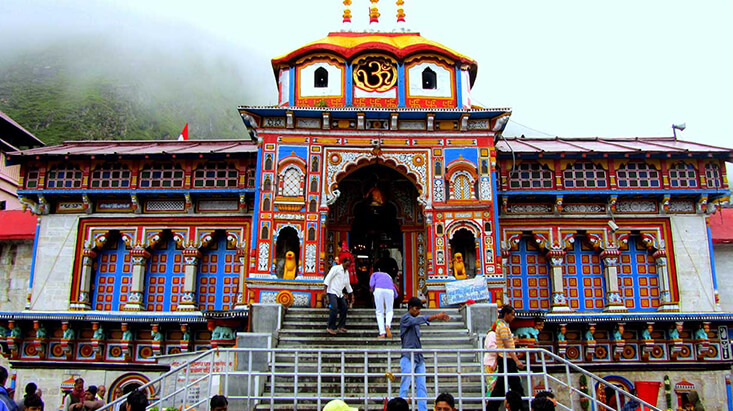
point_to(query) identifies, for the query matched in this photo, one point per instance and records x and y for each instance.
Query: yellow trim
(399, 42)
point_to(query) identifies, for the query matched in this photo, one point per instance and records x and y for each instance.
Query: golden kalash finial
(374, 12)
(400, 11)
(347, 12)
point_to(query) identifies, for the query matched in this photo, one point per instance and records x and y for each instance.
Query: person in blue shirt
(6, 403)
(412, 364)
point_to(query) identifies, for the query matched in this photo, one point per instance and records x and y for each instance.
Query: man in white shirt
(336, 280)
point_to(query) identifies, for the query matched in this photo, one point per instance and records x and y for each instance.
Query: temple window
(32, 178)
(682, 175)
(528, 279)
(266, 204)
(314, 185)
(314, 164)
(585, 175)
(164, 276)
(531, 176)
(637, 175)
(312, 206)
(216, 175)
(712, 176)
(112, 276)
(311, 234)
(462, 186)
(251, 177)
(64, 176)
(291, 183)
(161, 175)
(638, 282)
(113, 175)
(429, 79)
(218, 276)
(583, 278)
(320, 78)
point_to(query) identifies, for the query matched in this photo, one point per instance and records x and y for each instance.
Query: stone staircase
(304, 329)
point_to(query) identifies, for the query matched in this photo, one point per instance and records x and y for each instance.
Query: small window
(429, 80)
(320, 78)
(312, 206)
(64, 176)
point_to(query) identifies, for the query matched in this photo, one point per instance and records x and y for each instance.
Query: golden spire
(374, 12)
(347, 12)
(400, 11)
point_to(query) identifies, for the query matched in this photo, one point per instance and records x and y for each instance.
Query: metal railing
(288, 378)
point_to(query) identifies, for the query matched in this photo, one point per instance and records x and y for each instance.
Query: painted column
(86, 278)
(191, 257)
(610, 259)
(505, 254)
(665, 292)
(139, 262)
(559, 301)
(240, 301)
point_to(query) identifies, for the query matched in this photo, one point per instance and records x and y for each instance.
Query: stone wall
(15, 268)
(54, 262)
(692, 262)
(723, 256)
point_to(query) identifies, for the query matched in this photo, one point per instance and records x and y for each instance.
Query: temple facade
(151, 248)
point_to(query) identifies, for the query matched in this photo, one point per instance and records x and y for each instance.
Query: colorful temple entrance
(377, 215)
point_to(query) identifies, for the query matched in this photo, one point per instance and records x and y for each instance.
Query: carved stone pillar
(191, 256)
(84, 302)
(559, 301)
(665, 292)
(610, 259)
(137, 286)
(240, 301)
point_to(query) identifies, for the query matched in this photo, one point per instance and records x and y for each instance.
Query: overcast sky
(567, 68)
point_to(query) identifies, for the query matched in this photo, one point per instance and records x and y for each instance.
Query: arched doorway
(464, 242)
(377, 214)
(287, 240)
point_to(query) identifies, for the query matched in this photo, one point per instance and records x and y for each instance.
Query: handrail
(464, 375)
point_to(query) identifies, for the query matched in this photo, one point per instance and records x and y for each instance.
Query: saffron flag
(184, 134)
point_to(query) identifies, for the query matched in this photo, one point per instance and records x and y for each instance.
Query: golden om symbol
(375, 74)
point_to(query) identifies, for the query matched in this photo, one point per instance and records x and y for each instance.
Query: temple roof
(721, 226)
(348, 44)
(17, 225)
(15, 136)
(139, 148)
(598, 145)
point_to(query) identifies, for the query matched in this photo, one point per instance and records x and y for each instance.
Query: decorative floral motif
(584, 208)
(438, 190)
(310, 258)
(529, 208)
(637, 206)
(264, 256)
(485, 189)
(285, 298)
(682, 206)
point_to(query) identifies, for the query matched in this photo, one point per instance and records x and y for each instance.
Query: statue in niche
(98, 333)
(290, 268)
(459, 267)
(674, 332)
(126, 333)
(69, 333)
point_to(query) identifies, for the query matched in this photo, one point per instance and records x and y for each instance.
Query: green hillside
(63, 93)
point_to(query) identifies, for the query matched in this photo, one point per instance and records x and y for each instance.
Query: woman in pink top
(384, 292)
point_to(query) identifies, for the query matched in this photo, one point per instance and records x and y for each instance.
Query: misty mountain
(77, 89)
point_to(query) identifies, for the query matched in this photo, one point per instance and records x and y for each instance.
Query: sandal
(381, 336)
